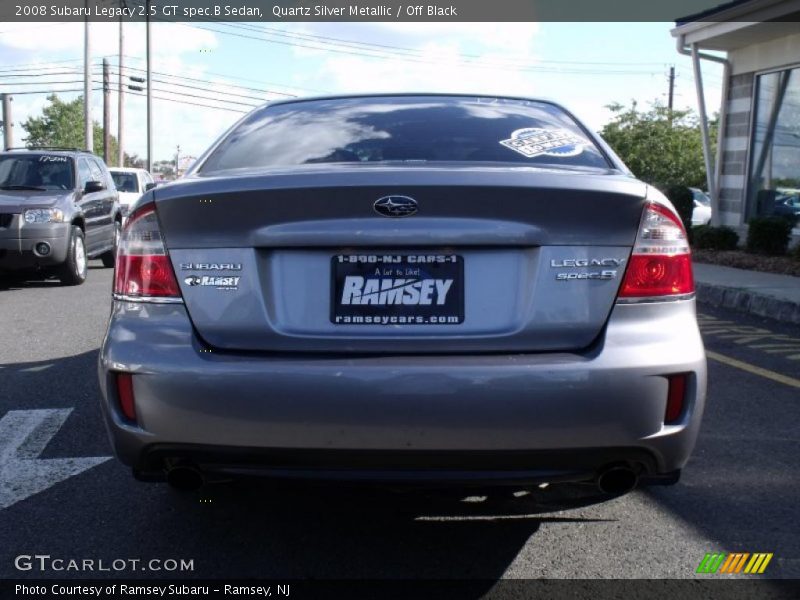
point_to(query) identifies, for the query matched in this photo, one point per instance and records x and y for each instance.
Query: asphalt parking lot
(739, 493)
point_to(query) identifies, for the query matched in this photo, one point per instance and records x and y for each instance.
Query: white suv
(130, 183)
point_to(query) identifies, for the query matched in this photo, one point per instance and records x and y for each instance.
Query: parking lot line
(738, 364)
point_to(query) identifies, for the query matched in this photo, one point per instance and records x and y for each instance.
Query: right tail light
(660, 265)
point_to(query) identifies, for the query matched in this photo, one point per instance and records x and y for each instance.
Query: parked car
(58, 208)
(787, 204)
(130, 183)
(701, 214)
(435, 289)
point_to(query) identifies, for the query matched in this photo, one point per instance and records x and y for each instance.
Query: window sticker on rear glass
(50, 158)
(534, 141)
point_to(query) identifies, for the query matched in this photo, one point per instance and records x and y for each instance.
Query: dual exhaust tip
(615, 481)
(186, 478)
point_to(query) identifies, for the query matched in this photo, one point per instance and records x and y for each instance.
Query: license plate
(397, 289)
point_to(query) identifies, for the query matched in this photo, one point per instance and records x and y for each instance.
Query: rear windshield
(406, 128)
(36, 172)
(125, 182)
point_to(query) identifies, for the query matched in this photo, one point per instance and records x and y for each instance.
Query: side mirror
(149, 186)
(94, 186)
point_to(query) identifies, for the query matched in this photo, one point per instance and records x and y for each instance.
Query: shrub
(706, 237)
(769, 235)
(683, 201)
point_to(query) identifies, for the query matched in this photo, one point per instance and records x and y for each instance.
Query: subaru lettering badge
(395, 206)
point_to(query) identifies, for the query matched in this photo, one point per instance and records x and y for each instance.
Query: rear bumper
(18, 245)
(461, 417)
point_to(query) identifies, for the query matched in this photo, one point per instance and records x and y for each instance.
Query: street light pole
(8, 124)
(149, 95)
(121, 98)
(106, 112)
(87, 87)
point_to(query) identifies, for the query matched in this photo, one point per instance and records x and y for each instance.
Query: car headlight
(44, 215)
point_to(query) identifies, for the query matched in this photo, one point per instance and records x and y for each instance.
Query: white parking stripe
(23, 436)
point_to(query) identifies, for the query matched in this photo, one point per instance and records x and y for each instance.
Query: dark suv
(58, 208)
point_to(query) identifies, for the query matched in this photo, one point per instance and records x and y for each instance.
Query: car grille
(5, 219)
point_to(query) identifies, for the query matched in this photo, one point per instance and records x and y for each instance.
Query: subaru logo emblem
(395, 206)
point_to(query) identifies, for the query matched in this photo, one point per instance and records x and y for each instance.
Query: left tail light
(143, 270)
(660, 266)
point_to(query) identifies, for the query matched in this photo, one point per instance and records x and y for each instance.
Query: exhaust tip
(617, 480)
(185, 478)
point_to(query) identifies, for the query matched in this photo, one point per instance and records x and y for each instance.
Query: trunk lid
(540, 255)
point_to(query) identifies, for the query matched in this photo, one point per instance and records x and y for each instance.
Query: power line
(231, 77)
(53, 74)
(51, 62)
(40, 82)
(187, 102)
(195, 87)
(356, 44)
(162, 90)
(363, 50)
(423, 58)
(48, 91)
(206, 81)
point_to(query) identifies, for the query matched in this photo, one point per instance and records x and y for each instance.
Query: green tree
(660, 147)
(61, 124)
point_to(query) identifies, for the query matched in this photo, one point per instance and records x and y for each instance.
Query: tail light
(660, 265)
(143, 270)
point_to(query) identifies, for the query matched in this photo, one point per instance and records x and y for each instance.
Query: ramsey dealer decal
(534, 141)
(358, 290)
(221, 283)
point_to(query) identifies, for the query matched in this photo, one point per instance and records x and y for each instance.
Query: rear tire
(74, 269)
(110, 257)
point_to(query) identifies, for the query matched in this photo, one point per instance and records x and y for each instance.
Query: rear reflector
(125, 396)
(676, 395)
(143, 269)
(660, 265)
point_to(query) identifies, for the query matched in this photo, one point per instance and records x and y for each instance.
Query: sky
(208, 75)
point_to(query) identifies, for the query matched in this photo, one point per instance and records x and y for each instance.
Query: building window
(774, 187)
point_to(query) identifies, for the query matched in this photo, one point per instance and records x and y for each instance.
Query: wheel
(73, 271)
(110, 257)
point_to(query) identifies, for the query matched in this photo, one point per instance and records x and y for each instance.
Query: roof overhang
(741, 24)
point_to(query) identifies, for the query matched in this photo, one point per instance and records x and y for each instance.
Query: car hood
(17, 201)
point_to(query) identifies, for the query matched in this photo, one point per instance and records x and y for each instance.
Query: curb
(748, 301)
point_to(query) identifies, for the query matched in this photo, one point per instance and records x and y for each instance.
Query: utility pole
(149, 94)
(87, 87)
(177, 159)
(671, 89)
(106, 111)
(120, 97)
(8, 123)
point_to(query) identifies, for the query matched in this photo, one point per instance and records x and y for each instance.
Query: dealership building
(756, 168)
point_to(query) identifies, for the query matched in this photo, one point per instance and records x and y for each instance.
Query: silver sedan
(434, 289)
